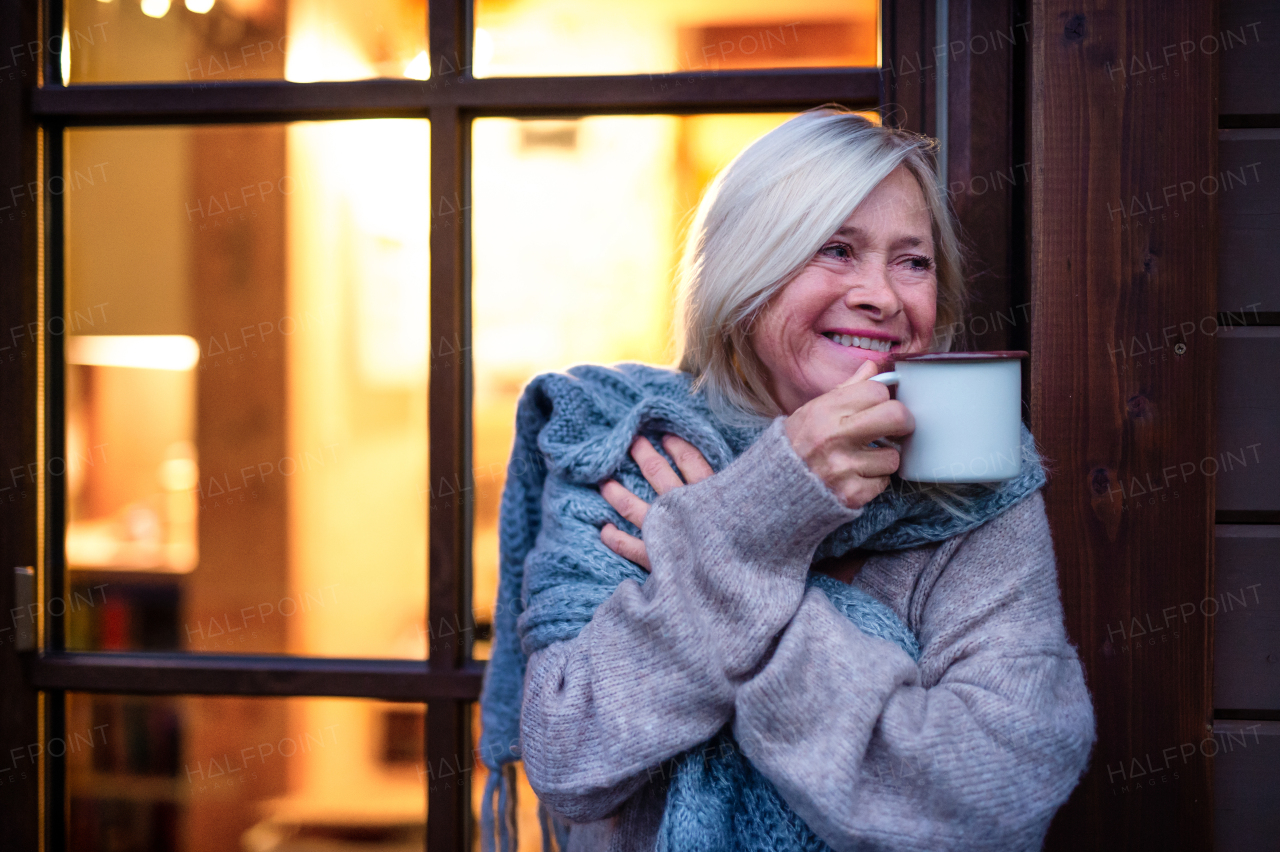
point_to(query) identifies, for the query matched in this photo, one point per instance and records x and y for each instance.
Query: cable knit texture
(642, 693)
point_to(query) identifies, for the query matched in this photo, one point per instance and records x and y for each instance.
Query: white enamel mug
(968, 412)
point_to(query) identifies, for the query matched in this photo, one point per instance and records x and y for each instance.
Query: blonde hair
(764, 217)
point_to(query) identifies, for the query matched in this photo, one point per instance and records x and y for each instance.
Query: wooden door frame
(21, 704)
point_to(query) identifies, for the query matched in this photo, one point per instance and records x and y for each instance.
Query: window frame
(450, 680)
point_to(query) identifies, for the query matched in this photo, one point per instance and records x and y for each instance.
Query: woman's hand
(831, 434)
(661, 477)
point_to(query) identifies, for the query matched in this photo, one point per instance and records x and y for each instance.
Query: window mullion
(448, 736)
(52, 470)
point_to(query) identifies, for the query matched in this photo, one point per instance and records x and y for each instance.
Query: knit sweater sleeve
(656, 670)
(975, 747)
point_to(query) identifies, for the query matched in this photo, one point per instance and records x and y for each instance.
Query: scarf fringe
(555, 835)
(499, 827)
(499, 831)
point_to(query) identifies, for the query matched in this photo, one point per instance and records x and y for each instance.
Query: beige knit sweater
(975, 747)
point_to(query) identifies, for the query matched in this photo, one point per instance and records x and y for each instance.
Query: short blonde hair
(765, 216)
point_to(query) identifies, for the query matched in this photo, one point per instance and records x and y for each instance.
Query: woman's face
(874, 279)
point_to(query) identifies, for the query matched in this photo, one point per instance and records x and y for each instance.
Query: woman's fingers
(873, 463)
(692, 465)
(889, 418)
(654, 466)
(628, 505)
(625, 545)
(865, 370)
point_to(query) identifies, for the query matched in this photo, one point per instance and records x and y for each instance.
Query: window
(299, 262)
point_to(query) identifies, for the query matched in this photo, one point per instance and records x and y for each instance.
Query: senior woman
(756, 637)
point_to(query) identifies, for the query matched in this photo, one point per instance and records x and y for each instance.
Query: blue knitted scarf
(573, 430)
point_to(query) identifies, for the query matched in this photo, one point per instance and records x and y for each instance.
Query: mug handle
(890, 378)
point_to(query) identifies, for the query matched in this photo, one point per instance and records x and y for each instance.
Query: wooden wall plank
(1245, 464)
(1103, 270)
(1247, 776)
(1246, 43)
(1249, 216)
(1246, 621)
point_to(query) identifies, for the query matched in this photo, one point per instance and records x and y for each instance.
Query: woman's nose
(874, 292)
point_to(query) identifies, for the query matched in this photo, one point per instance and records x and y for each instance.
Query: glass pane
(543, 37)
(118, 41)
(586, 276)
(246, 388)
(189, 774)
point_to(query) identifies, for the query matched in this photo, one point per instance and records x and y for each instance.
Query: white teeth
(861, 342)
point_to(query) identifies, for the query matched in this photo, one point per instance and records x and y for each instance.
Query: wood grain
(1104, 269)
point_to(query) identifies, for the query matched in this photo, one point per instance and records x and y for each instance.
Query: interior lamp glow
(419, 68)
(199, 6)
(482, 53)
(144, 351)
(155, 8)
(65, 56)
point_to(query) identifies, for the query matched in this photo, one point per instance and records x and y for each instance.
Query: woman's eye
(837, 250)
(920, 262)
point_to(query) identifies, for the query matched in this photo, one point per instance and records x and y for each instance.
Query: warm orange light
(149, 351)
(155, 8)
(419, 68)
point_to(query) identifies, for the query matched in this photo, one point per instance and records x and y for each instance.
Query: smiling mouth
(868, 343)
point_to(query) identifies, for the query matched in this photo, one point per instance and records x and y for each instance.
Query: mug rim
(995, 355)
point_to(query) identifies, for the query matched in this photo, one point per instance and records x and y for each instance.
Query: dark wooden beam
(908, 64)
(1242, 121)
(1247, 715)
(987, 170)
(261, 100)
(1104, 269)
(55, 508)
(1247, 516)
(252, 674)
(449, 509)
(20, 804)
(1229, 319)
